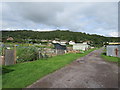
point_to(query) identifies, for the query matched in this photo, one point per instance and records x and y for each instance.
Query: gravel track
(90, 71)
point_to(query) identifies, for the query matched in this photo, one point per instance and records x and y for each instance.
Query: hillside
(21, 35)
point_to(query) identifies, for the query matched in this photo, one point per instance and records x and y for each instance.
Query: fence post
(14, 54)
(3, 54)
(39, 54)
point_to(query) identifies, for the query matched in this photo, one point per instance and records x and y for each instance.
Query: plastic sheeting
(113, 50)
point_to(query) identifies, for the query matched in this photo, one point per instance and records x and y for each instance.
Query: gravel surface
(90, 71)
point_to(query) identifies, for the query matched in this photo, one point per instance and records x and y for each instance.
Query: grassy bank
(110, 58)
(24, 74)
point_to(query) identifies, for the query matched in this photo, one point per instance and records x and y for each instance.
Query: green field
(110, 58)
(23, 74)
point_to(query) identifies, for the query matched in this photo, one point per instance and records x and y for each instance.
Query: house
(49, 40)
(36, 44)
(44, 40)
(87, 42)
(81, 46)
(10, 38)
(71, 42)
(63, 42)
(84, 42)
(55, 41)
(113, 49)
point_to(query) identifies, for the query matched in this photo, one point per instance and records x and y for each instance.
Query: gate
(9, 57)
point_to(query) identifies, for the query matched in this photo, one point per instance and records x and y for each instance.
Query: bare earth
(90, 71)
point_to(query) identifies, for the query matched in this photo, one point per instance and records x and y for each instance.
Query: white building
(81, 46)
(44, 40)
(54, 41)
(71, 43)
(63, 42)
(113, 49)
(84, 42)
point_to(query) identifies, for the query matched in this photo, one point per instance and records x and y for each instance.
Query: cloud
(100, 18)
(114, 34)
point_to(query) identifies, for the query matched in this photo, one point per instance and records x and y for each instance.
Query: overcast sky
(89, 17)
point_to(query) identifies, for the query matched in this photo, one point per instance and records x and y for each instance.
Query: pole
(3, 54)
(14, 54)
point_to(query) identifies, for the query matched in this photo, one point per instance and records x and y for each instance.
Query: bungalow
(44, 40)
(71, 42)
(55, 41)
(87, 42)
(63, 42)
(84, 42)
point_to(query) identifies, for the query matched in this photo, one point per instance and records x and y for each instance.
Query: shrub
(27, 54)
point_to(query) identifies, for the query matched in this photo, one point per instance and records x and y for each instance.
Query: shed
(80, 46)
(60, 49)
(59, 46)
(113, 50)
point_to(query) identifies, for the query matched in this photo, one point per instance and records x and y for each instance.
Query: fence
(54, 52)
(18, 54)
(8, 56)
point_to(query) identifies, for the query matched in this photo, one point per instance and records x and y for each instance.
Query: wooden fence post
(14, 54)
(39, 54)
(3, 54)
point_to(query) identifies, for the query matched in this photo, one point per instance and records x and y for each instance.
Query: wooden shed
(60, 49)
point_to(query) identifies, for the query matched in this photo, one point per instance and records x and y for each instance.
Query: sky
(90, 17)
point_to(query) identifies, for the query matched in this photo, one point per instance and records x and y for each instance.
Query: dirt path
(90, 71)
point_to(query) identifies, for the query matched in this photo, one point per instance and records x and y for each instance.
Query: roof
(80, 44)
(64, 41)
(59, 46)
(114, 43)
(10, 38)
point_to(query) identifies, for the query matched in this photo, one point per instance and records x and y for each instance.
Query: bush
(26, 54)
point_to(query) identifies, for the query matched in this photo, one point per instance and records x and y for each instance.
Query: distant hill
(21, 35)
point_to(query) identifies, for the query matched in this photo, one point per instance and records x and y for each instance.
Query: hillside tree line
(21, 36)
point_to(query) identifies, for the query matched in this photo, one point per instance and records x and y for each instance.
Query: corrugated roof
(114, 43)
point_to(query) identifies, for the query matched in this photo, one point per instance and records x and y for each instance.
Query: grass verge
(24, 74)
(110, 58)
